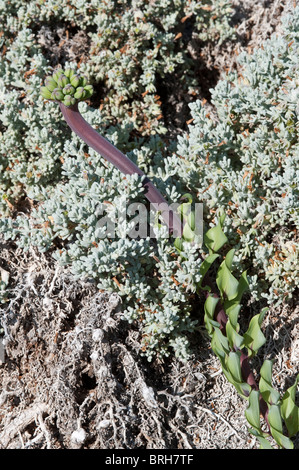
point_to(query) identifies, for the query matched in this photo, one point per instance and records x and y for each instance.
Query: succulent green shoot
(57, 95)
(69, 89)
(75, 80)
(66, 86)
(50, 83)
(57, 74)
(46, 93)
(62, 80)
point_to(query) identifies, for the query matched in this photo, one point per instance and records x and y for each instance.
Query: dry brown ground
(72, 375)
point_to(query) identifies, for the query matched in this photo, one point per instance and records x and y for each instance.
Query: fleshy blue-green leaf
(289, 410)
(185, 207)
(275, 421)
(178, 243)
(252, 412)
(235, 340)
(226, 282)
(233, 367)
(260, 437)
(188, 233)
(254, 337)
(232, 309)
(204, 267)
(219, 344)
(215, 238)
(270, 395)
(209, 307)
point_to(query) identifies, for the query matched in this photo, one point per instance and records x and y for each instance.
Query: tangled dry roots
(73, 376)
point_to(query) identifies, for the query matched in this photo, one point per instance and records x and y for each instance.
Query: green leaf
(187, 196)
(233, 366)
(185, 207)
(260, 437)
(264, 443)
(191, 220)
(232, 307)
(232, 310)
(275, 422)
(209, 307)
(252, 412)
(219, 344)
(242, 287)
(229, 259)
(215, 238)
(254, 338)
(236, 341)
(289, 410)
(178, 243)
(204, 267)
(188, 233)
(270, 395)
(226, 282)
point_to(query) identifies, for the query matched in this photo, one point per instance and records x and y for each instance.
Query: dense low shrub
(242, 166)
(132, 45)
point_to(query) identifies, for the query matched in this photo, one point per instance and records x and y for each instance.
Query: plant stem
(101, 145)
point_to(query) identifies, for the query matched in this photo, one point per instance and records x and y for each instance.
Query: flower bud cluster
(66, 86)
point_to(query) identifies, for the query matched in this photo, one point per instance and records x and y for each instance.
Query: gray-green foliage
(29, 149)
(245, 164)
(150, 295)
(145, 41)
(125, 60)
(132, 45)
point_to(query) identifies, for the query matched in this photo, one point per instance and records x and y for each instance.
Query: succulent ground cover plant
(132, 45)
(221, 311)
(233, 165)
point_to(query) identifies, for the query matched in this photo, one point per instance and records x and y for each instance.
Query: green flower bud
(66, 86)
(83, 81)
(69, 89)
(80, 93)
(69, 100)
(57, 94)
(62, 81)
(57, 74)
(50, 83)
(45, 93)
(89, 91)
(75, 80)
(69, 73)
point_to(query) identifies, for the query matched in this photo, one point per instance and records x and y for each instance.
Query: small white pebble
(103, 424)
(94, 356)
(97, 334)
(79, 436)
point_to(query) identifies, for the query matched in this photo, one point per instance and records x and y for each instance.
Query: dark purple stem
(101, 145)
(249, 378)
